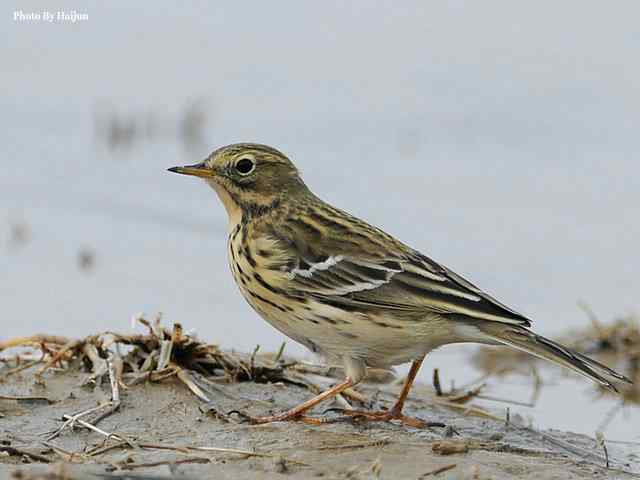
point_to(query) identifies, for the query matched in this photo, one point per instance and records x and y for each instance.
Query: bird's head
(249, 178)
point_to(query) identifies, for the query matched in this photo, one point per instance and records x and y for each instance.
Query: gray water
(500, 138)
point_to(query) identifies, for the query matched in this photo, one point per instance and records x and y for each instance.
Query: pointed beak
(197, 170)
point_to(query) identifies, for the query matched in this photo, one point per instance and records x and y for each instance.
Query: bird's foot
(283, 417)
(298, 413)
(384, 416)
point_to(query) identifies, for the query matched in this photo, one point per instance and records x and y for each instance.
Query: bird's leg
(395, 412)
(408, 383)
(297, 413)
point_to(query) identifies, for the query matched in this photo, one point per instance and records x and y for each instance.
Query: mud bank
(161, 430)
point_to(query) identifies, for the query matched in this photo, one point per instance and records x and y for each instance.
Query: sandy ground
(167, 414)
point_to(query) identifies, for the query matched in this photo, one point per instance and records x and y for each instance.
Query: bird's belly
(335, 334)
(378, 340)
(284, 319)
(270, 306)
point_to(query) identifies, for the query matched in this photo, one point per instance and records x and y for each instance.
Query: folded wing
(411, 282)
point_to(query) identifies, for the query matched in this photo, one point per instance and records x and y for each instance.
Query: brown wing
(408, 282)
(343, 260)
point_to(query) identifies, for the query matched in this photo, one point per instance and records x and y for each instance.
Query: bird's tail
(527, 341)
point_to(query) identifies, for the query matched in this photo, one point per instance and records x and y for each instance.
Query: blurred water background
(499, 137)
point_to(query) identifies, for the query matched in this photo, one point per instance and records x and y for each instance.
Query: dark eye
(245, 166)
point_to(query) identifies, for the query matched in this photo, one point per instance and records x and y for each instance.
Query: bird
(349, 291)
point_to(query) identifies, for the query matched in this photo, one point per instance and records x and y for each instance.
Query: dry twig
(444, 468)
(21, 452)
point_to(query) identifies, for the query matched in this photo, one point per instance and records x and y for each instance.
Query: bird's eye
(245, 166)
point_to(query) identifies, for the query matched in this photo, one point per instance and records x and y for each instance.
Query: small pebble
(449, 447)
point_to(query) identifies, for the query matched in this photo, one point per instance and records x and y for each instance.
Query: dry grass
(154, 356)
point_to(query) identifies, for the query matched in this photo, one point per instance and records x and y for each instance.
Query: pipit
(349, 291)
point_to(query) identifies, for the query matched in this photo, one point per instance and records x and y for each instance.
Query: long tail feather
(527, 341)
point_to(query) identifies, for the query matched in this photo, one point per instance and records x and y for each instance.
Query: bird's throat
(234, 211)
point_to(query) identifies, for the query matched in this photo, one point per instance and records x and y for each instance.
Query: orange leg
(395, 412)
(297, 413)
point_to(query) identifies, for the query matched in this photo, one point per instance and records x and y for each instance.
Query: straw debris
(158, 355)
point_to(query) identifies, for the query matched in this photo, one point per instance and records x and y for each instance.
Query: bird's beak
(198, 170)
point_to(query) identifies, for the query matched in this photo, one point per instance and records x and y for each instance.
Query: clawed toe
(286, 417)
(355, 416)
(387, 416)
